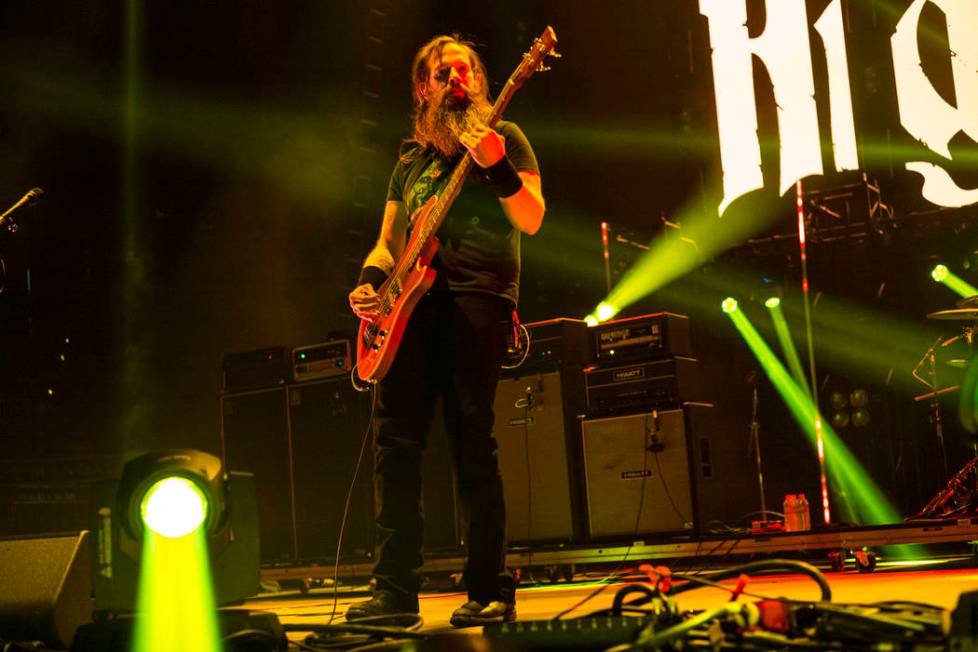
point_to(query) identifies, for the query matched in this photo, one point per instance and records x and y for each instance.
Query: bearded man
(455, 340)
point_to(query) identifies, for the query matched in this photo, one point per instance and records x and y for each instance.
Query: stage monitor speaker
(255, 439)
(651, 473)
(329, 420)
(47, 588)
(536, 427)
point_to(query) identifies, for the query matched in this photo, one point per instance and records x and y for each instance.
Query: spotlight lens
(861, 418)
(773, 302)
(173, 507)
(591, 320)
(729, 305)
(605, 312)
(859, 398)
(840, 420)
(837, 400)
(939, 273)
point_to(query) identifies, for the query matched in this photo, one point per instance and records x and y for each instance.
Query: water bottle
(804, 512)
(790, 510)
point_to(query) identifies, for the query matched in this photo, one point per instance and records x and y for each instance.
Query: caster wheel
(865, 561)
(567, 572)
(837, 560)
(553, 574)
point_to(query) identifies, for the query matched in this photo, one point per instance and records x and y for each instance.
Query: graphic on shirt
(429, 183)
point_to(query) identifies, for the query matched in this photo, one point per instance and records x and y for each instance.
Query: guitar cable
(349, 493)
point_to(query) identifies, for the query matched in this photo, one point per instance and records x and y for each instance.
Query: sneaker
(383, 603)
(474, 613)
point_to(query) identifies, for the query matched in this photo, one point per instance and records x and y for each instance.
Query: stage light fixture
(175, 494)
(175, 537)
(773, 302)
(840, 420)
(838, 400)
(729, 305)
(955, 283)
(859, 398)
(861, 417)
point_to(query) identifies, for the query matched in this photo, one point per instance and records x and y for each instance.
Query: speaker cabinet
(255, 438)
(537, 429)
(47, 588)
(302, 443)
(328, 421)
(651, 473)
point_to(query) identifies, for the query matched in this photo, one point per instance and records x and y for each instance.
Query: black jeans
(454, 345)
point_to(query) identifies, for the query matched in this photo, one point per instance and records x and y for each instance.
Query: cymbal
(956, 313)
(968, 302)
(957, 362)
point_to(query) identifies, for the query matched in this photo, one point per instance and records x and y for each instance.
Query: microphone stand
(755, 441)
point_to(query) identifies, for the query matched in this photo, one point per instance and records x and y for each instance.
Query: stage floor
(938, 582)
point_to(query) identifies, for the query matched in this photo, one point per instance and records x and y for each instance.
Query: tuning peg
(542, 68)
(554, 54)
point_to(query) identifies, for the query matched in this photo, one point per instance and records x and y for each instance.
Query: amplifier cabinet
(537, 430)
(255, 438)
(651, 473)
(302, 442)
(641, 338)
(328, 421)
(641, 386)
(553, 344)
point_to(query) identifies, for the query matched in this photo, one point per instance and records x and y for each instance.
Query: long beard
(441, 119)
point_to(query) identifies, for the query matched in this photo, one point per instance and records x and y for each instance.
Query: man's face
(452, 72)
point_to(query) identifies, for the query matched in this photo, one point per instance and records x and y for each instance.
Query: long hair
(425, 128)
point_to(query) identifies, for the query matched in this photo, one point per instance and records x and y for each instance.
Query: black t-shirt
(480, 249)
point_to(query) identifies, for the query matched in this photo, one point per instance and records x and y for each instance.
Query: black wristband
(504, 178)
(373, 275)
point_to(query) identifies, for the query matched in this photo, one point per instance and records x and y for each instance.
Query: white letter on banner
(784, 49)
(832, 31)
(923, 112)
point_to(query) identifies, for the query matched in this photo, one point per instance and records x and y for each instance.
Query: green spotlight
(174, 507)
(955, 283)
(605, 311)
(773, 302)
(591, 320)
(729, 305)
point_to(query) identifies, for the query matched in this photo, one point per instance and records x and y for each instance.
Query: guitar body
(377, 342)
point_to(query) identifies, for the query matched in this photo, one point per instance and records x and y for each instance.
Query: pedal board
(591, 633)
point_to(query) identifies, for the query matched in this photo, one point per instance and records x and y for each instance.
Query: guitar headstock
(542, 47)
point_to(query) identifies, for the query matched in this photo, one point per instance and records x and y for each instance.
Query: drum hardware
(930, 360)
(968, 302)
(955, 314)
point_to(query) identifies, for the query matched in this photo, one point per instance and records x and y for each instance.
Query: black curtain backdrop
(234, 211)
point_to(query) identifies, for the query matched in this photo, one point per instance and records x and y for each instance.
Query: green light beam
(955, 283)
(787, 345)
(176, 609)
(872, 505)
